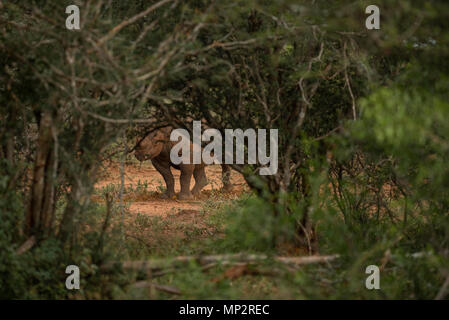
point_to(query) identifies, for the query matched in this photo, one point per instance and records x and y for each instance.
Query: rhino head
(152, 145)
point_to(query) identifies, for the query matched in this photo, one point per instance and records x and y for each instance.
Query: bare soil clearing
(144, 187)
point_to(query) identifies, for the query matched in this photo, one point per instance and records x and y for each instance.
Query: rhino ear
(141, 140)
(167, 131)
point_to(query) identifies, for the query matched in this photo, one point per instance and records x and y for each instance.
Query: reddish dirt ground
(149, 201)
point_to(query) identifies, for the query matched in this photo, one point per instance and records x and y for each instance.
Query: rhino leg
(164, 169)
(200, 179)
(226, 177)
(186, 176)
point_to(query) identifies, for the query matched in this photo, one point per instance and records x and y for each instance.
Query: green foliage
(363, 142)
(252, 226)
(11, 267)
(390, 207)
(39, 273)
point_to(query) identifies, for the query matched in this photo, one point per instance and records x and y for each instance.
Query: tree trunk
(39, 215)
(305, 229)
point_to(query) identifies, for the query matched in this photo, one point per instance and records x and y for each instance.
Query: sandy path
(148, 202)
